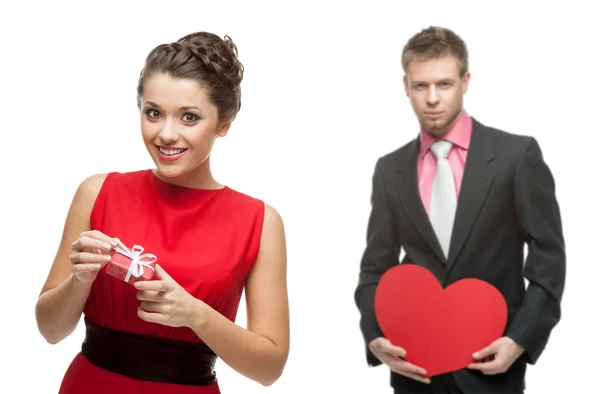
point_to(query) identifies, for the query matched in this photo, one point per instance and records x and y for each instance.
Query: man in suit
(462, 199)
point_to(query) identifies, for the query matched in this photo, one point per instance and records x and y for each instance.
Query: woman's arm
(63, 295)
(261, 351)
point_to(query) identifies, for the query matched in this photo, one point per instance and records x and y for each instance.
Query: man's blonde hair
(434, 42)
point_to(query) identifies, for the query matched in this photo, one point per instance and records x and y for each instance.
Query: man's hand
(497, 357)
(392, 356)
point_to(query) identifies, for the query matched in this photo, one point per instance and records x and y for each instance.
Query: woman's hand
(165, 302)
(90, 253)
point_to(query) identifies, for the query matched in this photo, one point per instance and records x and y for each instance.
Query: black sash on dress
(147, 358)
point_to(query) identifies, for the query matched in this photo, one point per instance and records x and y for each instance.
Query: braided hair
(203, 57)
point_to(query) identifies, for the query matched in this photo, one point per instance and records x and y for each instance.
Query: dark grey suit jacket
(507, 199)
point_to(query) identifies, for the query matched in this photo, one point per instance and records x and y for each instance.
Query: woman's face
(179, 126)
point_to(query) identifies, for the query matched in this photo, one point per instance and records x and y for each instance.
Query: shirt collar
(459, 135)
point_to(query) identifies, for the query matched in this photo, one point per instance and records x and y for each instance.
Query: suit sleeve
(539, 219)
(381, 253)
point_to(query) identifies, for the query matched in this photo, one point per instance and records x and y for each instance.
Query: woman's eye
(152, 113)
(190, 118)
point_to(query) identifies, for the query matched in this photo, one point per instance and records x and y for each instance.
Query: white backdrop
(322, 100)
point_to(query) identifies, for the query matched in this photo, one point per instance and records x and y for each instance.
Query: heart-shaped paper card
(440, 329)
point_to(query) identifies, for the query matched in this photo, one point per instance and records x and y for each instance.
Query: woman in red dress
(210, 242)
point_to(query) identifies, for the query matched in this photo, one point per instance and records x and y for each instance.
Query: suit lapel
(410, 198)
(477, 179)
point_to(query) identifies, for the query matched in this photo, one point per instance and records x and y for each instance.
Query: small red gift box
(130, 265)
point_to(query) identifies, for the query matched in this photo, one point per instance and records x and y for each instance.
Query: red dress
(206, 240)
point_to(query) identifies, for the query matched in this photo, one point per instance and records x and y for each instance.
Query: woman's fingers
(87, 243)
(83, 268)
(89, 258)
(95, 234)
(94, 240)
(155, 307)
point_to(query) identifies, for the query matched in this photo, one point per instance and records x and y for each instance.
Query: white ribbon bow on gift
(136, 268)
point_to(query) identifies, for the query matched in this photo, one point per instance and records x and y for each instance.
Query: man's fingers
(488, 368)
(376, 344)
(417, 377)
(414, 369)
(386, 346)
(407, 367)
(409, 370)
(486, 352)
(392, 356)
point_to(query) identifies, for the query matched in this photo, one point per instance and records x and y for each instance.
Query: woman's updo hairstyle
(203, 57)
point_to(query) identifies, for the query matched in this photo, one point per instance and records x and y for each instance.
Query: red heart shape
(440, 329)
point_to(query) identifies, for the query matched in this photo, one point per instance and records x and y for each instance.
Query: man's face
(436, 90)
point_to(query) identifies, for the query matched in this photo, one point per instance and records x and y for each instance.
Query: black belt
(148, 358)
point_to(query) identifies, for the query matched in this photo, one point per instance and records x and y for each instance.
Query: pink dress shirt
(460, 136)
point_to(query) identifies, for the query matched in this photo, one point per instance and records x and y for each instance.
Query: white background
(322, 100)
